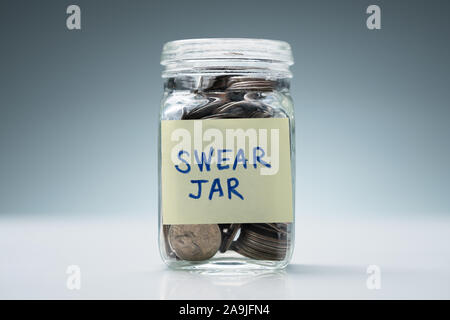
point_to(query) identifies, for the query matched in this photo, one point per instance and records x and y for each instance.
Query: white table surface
(118, 259)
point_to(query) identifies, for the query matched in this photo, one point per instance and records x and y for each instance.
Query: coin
(195, 242)
(220, 83)
(262, 241)
(275, 243)
(255, 254)
(226, 99)
(229, 236)
(246, 83)
(204, 110)
(266, 231)
(263, 246)
(168, 250)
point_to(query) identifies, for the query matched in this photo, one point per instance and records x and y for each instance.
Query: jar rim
(227, 48)
(227, 52)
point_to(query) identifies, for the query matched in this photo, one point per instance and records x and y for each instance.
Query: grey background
(79, 109)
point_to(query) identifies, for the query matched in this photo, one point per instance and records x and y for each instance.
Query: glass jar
(226, 155)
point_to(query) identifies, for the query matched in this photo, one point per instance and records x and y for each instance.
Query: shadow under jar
(228, 204)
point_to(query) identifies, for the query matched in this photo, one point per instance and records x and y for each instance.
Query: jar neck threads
(255, 57)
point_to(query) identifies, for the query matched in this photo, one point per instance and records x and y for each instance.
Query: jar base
(228, 265)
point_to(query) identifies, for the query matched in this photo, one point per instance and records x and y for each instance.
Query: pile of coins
(262, 241)
(234, 98)
(228, 97)
(197, 242)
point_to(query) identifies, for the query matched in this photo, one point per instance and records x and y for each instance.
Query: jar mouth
(226, 56)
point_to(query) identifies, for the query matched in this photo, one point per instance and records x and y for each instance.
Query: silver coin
(229, 236)
(195, 242)
(254, 254)
(168, 250)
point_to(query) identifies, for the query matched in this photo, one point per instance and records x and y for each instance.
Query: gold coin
(195, 242)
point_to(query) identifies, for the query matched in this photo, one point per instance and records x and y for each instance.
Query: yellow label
(226, 171)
